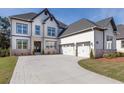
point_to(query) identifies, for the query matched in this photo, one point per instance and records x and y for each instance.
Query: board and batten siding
(109, 32)
(98, 43)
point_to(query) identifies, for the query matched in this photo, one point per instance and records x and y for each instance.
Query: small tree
(4, 33)
(91, 54)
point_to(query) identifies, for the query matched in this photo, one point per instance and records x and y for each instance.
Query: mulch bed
(118, 59)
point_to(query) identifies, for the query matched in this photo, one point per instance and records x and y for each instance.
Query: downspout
(91, 48)
(103, 39)
(43, 39)
(31, 41)
(11, 37)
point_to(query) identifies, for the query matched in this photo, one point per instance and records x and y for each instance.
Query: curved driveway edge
(55, 69)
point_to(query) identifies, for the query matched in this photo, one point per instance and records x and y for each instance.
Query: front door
(37, 46)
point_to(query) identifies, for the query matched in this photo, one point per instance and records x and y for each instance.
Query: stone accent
(18, 52)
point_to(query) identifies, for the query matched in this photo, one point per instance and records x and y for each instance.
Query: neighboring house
(42, 33)
(82, 36)
(35, 33)
(120, 38)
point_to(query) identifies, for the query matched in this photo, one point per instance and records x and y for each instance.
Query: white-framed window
(122, 44)
(21, 28)
(21, 44)
(37, 30)
(51, 44)
(109, 42)
(51, 31)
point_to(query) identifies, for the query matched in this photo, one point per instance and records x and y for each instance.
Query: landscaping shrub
(91, 55)
(121, 54)
(105, 55)
(118, 54)
(4, 52)
(113, 55)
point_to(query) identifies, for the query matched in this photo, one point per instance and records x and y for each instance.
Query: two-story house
(43, 33)
(35, 33)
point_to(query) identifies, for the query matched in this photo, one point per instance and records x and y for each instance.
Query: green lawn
(7, 65)
(114, 70)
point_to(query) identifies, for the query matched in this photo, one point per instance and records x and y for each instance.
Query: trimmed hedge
(113, 55)
(91, 54)
(4, 52)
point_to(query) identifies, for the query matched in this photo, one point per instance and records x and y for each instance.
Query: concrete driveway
(54, 69)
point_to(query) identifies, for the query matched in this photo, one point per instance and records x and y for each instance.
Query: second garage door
(83, 49)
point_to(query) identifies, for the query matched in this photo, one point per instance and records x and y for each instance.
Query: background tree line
(4, 36)
(4, 33)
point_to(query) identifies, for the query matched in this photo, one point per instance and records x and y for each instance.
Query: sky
(70, 15)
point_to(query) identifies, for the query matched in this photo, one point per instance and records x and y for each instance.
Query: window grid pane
(37, 30)
(19, 28)
(51, 31)
(25, 44)
(19, 44)
(25, 28)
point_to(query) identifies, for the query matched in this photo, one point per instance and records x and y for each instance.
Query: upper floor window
(37, 30)
(21, 28)
(51, 31)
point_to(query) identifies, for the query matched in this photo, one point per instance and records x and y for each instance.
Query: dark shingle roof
(26, 16)
(78, 26)
(120, 33)
(61, 24)
(85, 24)
(31, 16)
(104, 22)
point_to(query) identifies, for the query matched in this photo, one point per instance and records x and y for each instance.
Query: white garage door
(83, 50)
(68, 50)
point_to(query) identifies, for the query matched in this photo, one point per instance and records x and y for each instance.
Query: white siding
(82, 37)
(119, 48)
